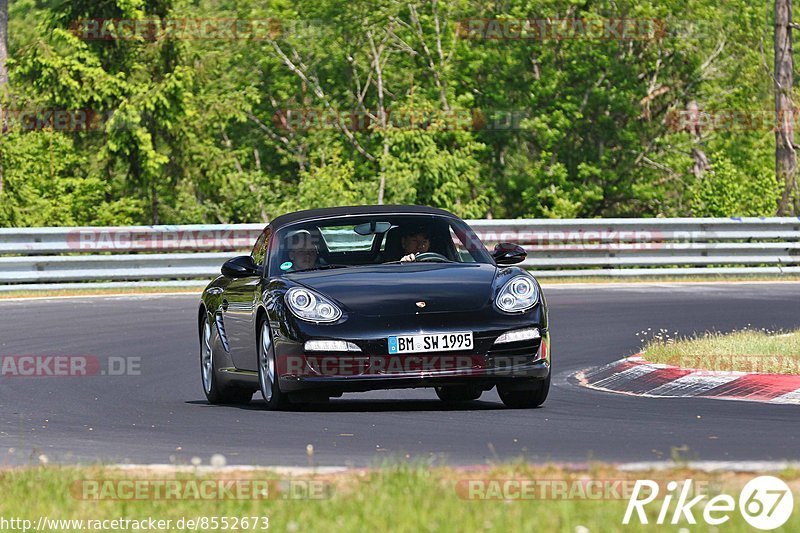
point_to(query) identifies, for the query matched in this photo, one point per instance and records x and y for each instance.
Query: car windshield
(373, 240)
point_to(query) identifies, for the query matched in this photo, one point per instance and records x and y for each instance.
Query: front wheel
(274, 399)
(534, 396)
(214, 390)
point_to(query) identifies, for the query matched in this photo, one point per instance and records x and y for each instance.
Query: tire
(458, 393)
(525, 398)
(274, 399)
(215, 392)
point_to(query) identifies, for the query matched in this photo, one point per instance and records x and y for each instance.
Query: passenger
(303, 252)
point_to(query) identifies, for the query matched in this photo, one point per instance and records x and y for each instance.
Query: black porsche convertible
(351, 299)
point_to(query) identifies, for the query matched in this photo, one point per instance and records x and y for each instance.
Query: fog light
(331, 346)
(518, 335)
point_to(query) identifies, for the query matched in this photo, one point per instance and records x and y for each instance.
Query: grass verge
(392, 498)
(741, 351)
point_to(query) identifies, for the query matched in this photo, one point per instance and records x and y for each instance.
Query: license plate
(434, 342)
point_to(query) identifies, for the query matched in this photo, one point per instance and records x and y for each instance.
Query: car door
(239, 310)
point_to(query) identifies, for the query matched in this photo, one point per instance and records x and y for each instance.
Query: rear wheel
(215, 392)
(274, 399)
(525, 398)
(458, 393)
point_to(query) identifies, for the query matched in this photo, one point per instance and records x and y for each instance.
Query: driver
(415, 242)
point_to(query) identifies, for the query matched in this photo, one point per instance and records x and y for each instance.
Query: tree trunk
(3, 70)
(701, 164)
(785, 155)
(3, 43)
(377, 54)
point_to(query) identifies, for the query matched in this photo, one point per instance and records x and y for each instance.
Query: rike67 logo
(765, 503)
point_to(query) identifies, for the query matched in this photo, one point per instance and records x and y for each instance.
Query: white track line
(205, 469)
(131, 296)
(788, 398)
(705, 466)
(692, 385)
(713, 466)
(624, 376)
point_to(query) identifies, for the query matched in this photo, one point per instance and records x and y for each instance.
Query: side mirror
(240, 267)
(507, 253)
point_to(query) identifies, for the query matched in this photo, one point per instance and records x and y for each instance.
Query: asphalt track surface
(161, 416)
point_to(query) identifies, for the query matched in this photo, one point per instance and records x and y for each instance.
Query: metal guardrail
(190, 255)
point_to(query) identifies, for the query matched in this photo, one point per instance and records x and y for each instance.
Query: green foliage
(241, 130)
(727, 191)
(327, 184)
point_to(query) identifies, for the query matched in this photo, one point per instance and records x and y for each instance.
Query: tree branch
(312, 82)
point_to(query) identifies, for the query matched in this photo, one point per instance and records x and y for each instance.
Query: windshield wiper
(417, 262)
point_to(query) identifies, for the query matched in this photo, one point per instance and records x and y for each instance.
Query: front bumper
(372, 368)
(487, 366)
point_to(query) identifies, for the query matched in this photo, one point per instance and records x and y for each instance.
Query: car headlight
(518, 294)
(311, 306)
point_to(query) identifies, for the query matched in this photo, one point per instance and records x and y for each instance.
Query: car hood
(395, 289)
